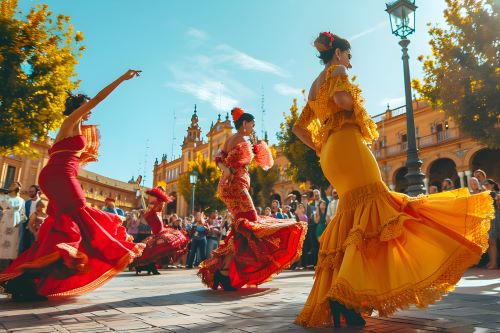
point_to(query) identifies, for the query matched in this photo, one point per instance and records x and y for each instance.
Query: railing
(422, 142)
(389, 114)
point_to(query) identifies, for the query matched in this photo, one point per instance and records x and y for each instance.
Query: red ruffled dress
(78, 248)
(261, 246)
(164, 243)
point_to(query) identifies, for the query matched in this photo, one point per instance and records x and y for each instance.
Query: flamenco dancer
(383, 250)
(78, 248)
(165, 242)
(256, 247)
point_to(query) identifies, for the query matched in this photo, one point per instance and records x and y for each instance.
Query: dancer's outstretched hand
(131, 73)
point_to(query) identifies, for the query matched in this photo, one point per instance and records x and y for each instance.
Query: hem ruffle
(478, 211)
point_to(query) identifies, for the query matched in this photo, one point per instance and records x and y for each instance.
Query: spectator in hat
(109, 207)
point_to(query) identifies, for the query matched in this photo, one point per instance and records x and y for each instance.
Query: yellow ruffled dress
(383, 250)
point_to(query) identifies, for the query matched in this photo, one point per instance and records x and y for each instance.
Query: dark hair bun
(326, 43)
(73, 102)
(239, 116)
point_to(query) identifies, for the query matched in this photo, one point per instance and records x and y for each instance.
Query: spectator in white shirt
(332, 206)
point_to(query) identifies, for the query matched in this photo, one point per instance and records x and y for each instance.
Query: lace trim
(479, 217)
(421, 294)
(351, 200)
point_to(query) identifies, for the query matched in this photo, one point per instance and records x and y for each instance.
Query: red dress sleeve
(239, 156)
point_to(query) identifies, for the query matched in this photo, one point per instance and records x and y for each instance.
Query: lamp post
(402, 18)
(193, 178)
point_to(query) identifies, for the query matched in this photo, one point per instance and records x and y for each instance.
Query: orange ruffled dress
(383, 250)
(78, 248)
(261, 246)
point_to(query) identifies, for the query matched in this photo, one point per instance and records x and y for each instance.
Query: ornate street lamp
(193, 178)
(402, 17)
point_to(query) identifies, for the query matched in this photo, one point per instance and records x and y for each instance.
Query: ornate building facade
(97, 188)
(443, 149)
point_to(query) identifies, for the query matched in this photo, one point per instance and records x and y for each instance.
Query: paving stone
(177, 302)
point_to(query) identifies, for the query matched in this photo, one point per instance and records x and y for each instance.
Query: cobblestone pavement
(176, 302)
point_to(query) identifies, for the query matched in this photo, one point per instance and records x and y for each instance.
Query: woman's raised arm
(85, 108)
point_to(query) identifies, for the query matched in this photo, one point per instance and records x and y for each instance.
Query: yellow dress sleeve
(306, 117)
(339, 81)
(310, 122)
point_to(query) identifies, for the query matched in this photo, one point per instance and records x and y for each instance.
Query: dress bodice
(322, 115)
(242, 154)
(239, 156)
(71, 145)
(235, 193)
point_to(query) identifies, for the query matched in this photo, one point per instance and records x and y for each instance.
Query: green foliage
(206, 186)
(304, 163)
(38, 54)
(462, 76)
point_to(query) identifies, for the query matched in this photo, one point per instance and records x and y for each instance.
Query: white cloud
(367, 31)
(393, 102)
(248, 62)
(196, 33)
(209, 77)
(286, 90)
(209, 91)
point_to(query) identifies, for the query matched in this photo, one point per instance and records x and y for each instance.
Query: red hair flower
(330, 35)
(237, 112)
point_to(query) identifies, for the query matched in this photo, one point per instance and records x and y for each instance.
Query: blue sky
(218, 54)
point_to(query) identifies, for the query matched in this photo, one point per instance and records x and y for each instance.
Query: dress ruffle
(261, 249)
(168, 243)
(409, 250)
(76, 252)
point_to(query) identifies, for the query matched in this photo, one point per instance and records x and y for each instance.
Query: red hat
(109, 200)
(159, 193)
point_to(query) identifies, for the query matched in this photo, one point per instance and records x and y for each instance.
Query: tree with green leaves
(206, 185)
(38, 55)
(462, 76)
(304, 163)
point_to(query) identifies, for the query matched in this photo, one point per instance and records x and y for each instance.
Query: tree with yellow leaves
(462, 77)
(38, 54)
(206, 184)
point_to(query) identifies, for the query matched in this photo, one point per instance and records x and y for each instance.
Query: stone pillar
(426, 184)
(461, 177)
(468, 175)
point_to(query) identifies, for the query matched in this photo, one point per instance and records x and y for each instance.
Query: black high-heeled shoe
(223, 280)
(226, 283)
(335, 309)
(215, 285)
(23, 289)
(151, 268)
(353, 318)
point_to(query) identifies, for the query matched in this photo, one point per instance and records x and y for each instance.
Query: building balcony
(422, 142)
